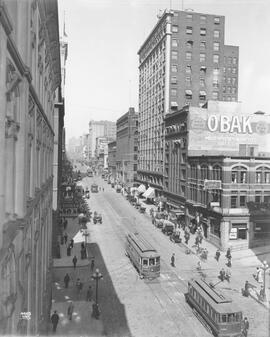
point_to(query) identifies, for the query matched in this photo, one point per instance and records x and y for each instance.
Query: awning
(188, 92)
(174, 104)
(149, 193)
(203, 67)
(202, 93)
(141, 189)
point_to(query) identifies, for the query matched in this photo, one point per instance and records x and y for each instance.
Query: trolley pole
(96, 277)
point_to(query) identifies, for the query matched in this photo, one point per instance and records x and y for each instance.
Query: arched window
(263, 175)
(217, 172)
(204, 172)
(193, 171)
(239, 175)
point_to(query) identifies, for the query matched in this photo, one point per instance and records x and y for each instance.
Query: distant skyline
(104, 37)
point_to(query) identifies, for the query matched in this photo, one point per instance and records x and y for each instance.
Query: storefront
(238, 231)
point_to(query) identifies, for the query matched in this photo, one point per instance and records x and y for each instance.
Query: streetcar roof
(143, 245)
(218, 301)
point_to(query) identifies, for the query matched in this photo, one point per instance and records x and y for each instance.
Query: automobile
(112, 184)
(175, 237)
(168, 227)
(97, 218)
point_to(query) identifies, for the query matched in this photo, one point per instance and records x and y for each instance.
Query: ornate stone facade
(29, 77)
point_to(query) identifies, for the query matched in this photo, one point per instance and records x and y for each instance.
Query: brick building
(183, 61)
(112, 160)
(217, 170)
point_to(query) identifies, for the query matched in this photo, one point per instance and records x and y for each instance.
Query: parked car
(97, 218)
(168, 227)
(175, 237)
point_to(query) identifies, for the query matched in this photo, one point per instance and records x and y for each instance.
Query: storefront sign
(233, 233)
(212, 184)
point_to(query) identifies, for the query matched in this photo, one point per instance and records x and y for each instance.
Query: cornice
(5, 19)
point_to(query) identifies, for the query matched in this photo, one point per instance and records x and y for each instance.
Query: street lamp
(96, 277)
(264, 268)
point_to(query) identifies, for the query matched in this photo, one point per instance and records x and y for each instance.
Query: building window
(203, 18)
(216, 58)
(193, 172)
(216, 46)
(204, 172)
(233, 81)
(216, 72)
(266, 199)
(234, 201)
(215, 84)
(233, 70)
(233, 90)
(229, 80)
(258, 199)
(202, 82)
(175, 29)
(188, 69)
(203, 31)
(202, 70)
(173, 92)
(216, 20)
(188, 56)
(188, 94)
(188, 30)
(189, 44)
(214, 95)
(203, 45)
(263, 175)
(174, 43)
(239, 175)
(202, 57)
(224, 89)
(216, 34)
(174, 55)
(174, 80)
(217, 172)
(189, 16)
(242, 201)
(188, 81)
(234, 60)
(174, 69)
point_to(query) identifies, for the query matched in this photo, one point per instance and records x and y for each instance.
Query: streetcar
(216, 311)
(144, 257)
(94, 188)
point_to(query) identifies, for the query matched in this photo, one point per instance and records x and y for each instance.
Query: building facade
(30, 76)
(112, 160)
(217, 171)
(100, 129)
(127, 147)
(183, 61)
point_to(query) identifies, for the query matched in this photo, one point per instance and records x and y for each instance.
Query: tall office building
(183, 61)
(100, 129)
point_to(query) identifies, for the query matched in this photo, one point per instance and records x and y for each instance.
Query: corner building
(184, 61)
(30, 75)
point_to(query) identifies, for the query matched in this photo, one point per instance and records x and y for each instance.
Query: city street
(157, 308)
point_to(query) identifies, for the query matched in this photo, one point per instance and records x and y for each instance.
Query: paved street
(134, 307)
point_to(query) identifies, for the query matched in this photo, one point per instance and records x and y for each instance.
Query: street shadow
(113, 316)
(113, 313)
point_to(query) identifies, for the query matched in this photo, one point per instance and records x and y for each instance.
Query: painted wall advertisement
(223, 129)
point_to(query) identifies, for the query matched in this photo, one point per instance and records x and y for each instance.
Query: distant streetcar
(218, 313)
(144, 257)
(94, 188)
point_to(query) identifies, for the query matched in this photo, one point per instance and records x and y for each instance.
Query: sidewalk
(82, 323)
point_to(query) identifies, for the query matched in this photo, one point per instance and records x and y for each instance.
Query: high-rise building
(183, 61)
(30, 77)
(100, 129)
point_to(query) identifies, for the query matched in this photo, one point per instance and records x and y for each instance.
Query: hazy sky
(105, 35)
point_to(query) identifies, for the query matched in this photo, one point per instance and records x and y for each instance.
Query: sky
(104, 37)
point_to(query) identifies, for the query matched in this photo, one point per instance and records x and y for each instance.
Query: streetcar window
(157, 260)
(145, 262)
(231, 318)
(151, 262)
(238, 317)
(224, 318)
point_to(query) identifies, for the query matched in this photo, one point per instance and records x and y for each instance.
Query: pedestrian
(58, 251)
(62, 240)
(260, 276)
(65, 237)
(54, 320)
(173, 260)
(70, 310)
(89, 294)
(92, 265)
(261, 296)
(217, 255)
(228, 275)
(82, 254)
(65, 223)
(200, 237)
(103, 189)
(197, 241)
(228, 253)
(245, 327)
(74, 261)
(246, 290)
(79, 287)
(187, 237)
(66, 280)
(68, 250)
(71, 243)
(222, 274)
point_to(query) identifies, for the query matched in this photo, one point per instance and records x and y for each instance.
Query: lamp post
(264, 268)
(96, 277)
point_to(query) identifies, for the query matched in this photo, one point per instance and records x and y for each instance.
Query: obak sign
(227, 132)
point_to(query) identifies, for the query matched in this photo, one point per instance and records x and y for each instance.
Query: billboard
(223, 129)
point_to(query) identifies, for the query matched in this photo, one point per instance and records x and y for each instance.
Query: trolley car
(217, 312)
(143, 256)
(94, 188)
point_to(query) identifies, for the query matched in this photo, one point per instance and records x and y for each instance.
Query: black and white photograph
(135, 168)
